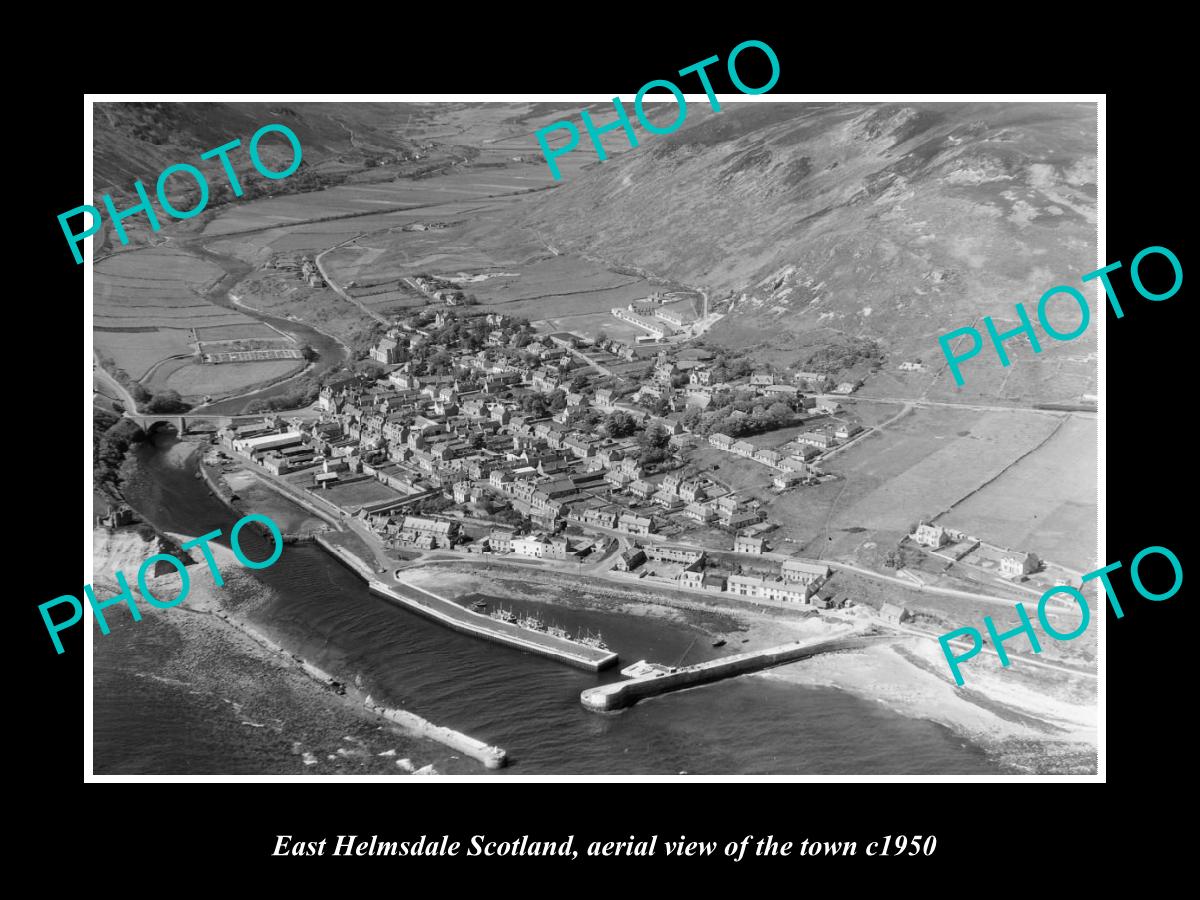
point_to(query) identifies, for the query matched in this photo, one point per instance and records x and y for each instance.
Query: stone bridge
(180, 422)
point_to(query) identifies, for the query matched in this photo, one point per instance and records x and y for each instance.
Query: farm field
(146, 304)
(256, 331)
(736, 473)
(138, 352)
(914, 469)
(357, 493)
(355, 199)
(1046, 503)
(194, 380)
(590, 325)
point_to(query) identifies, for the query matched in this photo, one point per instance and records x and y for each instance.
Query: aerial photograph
(653, 468)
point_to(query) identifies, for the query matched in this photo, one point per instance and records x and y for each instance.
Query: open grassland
(138, 352)
(350, 202)
(914, 469)
(1045, 503)
(253, 332)
(194, 380)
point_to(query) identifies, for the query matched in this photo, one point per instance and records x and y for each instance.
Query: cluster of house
(794, 459)
(1013, 563)
(796, 581)
(468, 436)
(305, 267)
(420, 532)
(439, 289)
(655, 328)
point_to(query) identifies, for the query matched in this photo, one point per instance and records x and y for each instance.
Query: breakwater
(620, 694)
(492, 757)
(450, 614)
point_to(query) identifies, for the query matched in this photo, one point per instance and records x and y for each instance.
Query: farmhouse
(930, 535)
(1017, 564)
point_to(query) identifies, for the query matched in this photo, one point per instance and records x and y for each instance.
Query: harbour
(488, 628)
(526, 703)
(657, 679)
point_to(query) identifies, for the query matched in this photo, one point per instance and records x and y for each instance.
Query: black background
(988, 831)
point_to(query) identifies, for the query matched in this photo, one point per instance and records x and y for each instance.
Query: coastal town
(473, 435)
(533, 466)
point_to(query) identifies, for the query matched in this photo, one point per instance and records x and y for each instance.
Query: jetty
(491, 756)
(663, 679)
(467, 621)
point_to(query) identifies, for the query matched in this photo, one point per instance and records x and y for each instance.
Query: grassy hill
(830, 223)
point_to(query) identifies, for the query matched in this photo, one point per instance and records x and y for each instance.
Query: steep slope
(890, 222)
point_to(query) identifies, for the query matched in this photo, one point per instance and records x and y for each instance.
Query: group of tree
(584, 418)
(738, 418)
(619, 424)
(302, 392)
(654, 443)
(167, 402)
(112, 436)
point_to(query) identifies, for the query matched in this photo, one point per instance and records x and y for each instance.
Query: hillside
(341, 142)
(825, 222)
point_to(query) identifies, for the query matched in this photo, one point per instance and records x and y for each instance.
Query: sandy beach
(1037, 722)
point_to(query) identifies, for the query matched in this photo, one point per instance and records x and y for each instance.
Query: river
(331, 353)
(526, 704)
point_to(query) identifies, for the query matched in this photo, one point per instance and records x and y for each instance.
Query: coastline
(276, 714)
(1030, 730)
(1026, 729)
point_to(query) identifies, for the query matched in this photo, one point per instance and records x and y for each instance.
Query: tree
(619, 424)
(779, 412)
(139, 392)
(654, 437)
(370, 369)
(557, 400)
(167, 402)
(477, 440)
(578, 383)
(658, 406)
(308, 353)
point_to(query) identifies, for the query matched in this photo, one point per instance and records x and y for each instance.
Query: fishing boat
(719, 642)
(593, 640)
(558, 632)
(479, 606)
(533, 623)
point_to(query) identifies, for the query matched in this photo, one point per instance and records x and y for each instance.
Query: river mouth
(528, 705)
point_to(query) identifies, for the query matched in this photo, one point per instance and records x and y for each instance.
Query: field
(146, 305)
(1046, 503)
(194, 380)
(590, 325)
(916, 468)
(252, 332)
(357, 493)
(137, 352)
(734, 472)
